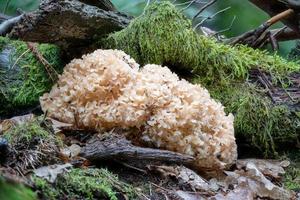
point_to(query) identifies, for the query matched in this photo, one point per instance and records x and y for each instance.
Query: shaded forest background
(247, 15)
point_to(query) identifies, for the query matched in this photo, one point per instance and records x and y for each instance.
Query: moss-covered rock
(23, 78)
(84, 184)
(163, 35)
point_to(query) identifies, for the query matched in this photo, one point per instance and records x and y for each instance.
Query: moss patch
(163, 35)
(84, 184)
(14, 191)
(31, 145)
(257, 119)
(23, 78)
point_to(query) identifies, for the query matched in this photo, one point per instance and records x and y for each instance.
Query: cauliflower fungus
(106, 89)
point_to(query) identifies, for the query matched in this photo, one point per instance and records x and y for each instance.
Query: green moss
(14, 191)
(292, 180)
(257, 119)
(23, 79)
(292, 175)
(163, 35)
(84, 184)
(31, 144)
(28, 131)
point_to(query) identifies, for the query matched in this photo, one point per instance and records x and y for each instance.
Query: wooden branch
(71, 24)
(116, 147)
(273, 7)
(286, 34)
(257, 37)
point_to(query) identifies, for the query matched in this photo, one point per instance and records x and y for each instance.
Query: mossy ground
(163, 35)
(23, 78)
(31, 144)
(84, 184)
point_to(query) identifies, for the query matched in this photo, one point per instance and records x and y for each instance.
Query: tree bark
(71, 24)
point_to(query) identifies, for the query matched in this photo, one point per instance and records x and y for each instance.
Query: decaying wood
(71, 24)
(279, 94)
(116, 147)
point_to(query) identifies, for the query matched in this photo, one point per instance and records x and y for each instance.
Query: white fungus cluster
(106, 89)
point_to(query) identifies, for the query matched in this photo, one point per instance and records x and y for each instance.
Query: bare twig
(6, 6)
(211, 17)
(50, 70)
(18, 59)
(133, 167)
(226, 29)
(204, 7)
(189, 5)
(258, 36)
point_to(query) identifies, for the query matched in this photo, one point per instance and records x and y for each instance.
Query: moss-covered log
(163, 35)
(23, 76)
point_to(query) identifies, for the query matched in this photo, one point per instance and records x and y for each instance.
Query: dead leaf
(271, 168)
(71, 151)
(59, 126)
(50, 172)
(188, 195)
(185, 176)
(252, 179)
(240, 192)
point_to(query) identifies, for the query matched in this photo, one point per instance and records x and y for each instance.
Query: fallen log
(71, 24)
(117, 147)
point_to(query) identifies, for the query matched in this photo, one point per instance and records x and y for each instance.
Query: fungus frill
(106, 89)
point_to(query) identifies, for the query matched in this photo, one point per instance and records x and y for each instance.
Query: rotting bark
(117, 147)
(70, 24)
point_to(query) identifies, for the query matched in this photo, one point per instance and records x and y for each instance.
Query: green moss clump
(25, 133)
(14, 191)
(257, 119)
(163, 35)
(84, 184)
(32, 144)
(23, 78)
